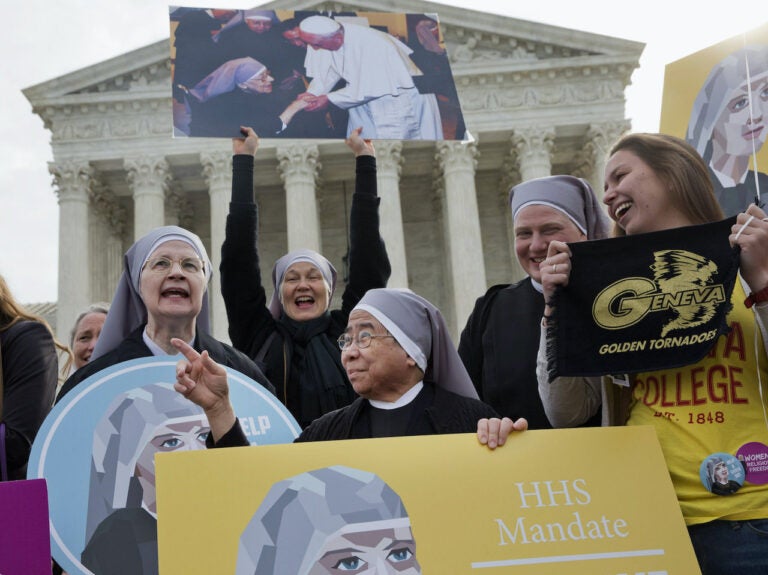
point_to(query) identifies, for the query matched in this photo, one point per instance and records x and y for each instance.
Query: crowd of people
(383, 365)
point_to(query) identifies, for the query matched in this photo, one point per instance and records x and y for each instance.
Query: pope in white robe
(379, 95)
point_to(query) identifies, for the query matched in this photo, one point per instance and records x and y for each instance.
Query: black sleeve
(368, 260)
(250, 322)
(235, 437)
(471, 340)
(471, 346)
(30, 376)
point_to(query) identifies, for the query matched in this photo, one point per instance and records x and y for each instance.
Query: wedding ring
(554, 269)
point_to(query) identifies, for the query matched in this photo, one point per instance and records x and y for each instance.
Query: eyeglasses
(163, 265)
(362, 341)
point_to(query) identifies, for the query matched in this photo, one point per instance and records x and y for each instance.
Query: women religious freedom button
(96, 450)
(754, 457)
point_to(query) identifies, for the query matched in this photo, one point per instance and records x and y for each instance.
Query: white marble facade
(537, 99)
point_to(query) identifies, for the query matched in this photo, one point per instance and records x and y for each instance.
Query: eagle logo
(678, 270)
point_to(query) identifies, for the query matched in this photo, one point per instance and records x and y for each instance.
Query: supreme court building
(537, 100)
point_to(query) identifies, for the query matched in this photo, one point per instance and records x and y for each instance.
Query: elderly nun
(499, 343)
(121, 525)
(728, 124)
(308, 524)
(161, 294)
(295, 331)
(401, 362)
(240, 90)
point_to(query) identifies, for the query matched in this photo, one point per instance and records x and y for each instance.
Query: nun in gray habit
(125, 335)
(501, 339)
(435, 397)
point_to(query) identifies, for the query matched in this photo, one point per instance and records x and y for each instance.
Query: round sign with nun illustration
(96, 450)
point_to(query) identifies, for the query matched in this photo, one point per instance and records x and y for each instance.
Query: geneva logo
(682, 283)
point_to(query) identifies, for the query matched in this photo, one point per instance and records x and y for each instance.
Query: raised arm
(368, 260)
(568, 401)
(250, 322)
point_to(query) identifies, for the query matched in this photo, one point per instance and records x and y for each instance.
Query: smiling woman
(295, 333)
(162, 294)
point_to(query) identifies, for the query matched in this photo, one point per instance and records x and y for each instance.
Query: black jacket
(30, 376)
(133, 347)
(442, 412)
(251, 325)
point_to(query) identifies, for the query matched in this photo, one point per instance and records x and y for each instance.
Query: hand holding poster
(301, 74)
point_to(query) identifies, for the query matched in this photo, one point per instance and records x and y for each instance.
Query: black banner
(643, 302)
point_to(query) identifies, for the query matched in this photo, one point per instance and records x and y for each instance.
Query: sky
(44, 39)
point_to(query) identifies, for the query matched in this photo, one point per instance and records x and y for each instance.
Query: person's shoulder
(25, 329)
(491, 293)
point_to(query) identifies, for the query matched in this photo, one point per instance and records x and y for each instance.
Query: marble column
(299, 166)
(510, 176)
(217, 169)
(534, 147)
(108, 223)
(148, 178)
(71, 181)
(464, 242)
(389, 164)
(600, 139)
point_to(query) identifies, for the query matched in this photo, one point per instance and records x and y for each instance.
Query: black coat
(438, 412)
(499, 346)
(133, 347)
(441, 412)
(30, 376)
(251, 325)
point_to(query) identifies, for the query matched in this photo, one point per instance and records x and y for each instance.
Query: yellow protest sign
(717, 100)
(577, 501)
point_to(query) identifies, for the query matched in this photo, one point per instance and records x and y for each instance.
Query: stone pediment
(478, 43)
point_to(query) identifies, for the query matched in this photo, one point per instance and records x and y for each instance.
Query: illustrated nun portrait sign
(728, 126)
(333, 520)
(121, 526)
(97, 451)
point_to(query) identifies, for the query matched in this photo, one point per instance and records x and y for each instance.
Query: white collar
(404, 399)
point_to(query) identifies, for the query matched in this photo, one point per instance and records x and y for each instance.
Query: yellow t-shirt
(708, 412)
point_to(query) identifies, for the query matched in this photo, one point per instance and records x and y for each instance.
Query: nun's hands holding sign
(555, 271)
(204, 382)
